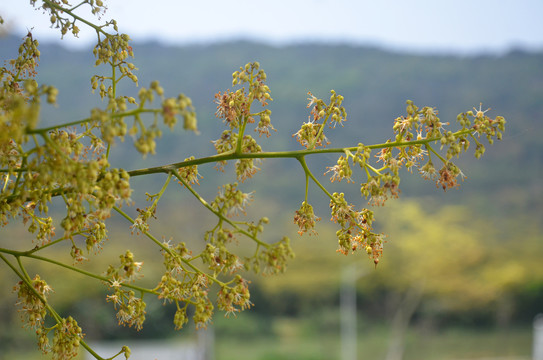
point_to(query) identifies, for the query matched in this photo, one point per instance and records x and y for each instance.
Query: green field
(252, 338)
(305, 340)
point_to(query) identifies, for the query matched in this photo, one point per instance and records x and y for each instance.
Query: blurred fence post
(205, 339)
(538, 338)
(347, 302)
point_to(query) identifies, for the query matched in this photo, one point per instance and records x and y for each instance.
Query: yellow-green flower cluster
(33, 302)
(311, 133)
(356, 228)
(218, 257)
(97, 233)
(203, 312)
(234, 108)
(231, 201)
(130, 309)
(306, 219)
(341, 170)
(234, 299)
(183, 286)
(256, 78)
(182, 105)
(272, 259)
(127, 271)
(67, 339)
(189, 173)
(32, 308)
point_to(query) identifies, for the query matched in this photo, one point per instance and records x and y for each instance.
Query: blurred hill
(375, 84)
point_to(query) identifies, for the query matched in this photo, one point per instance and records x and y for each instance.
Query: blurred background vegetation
(472, 256)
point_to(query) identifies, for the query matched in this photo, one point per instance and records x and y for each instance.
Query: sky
(421, 26)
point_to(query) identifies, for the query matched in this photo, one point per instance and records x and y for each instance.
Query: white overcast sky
(452, 26)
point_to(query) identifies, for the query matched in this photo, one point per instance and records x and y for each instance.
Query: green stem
(38, 248)
(239, 143)
(78, 5)
(217, 213)
(165, 248)
(87, 120)
(24, 277)
(475, 139)
(89, 274)
(19, 254)
(6, 182)
(113, 83)
(13, 268)
(89, 349)
(55, 6)
(245, 119)
(231, 155)
(436, 153)
(429, 152)
(308, 172)
(377, 171)
(312, 145)
(28, 282)
(47, 129)
(107, 150)
(306, 183)
(20, 174)
(161, 192)
(296, 154)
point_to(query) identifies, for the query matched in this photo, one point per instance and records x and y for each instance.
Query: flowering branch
(69, 166)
